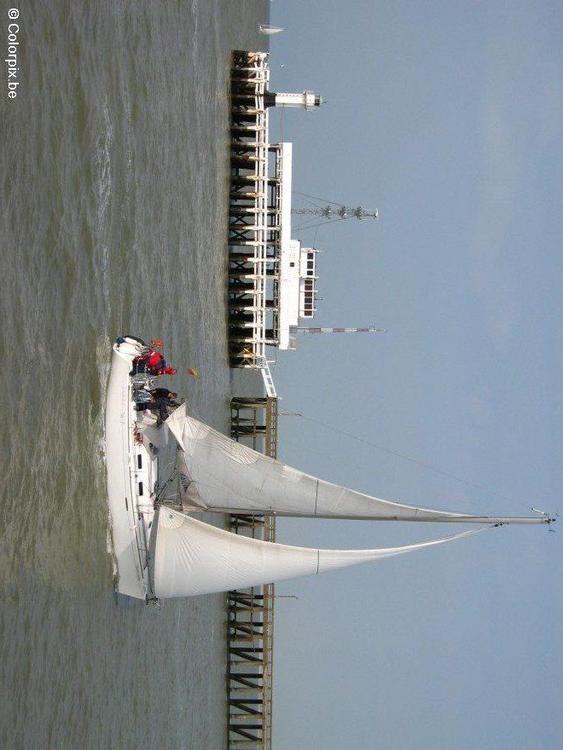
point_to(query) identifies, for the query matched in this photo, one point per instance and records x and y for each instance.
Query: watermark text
(12, 56)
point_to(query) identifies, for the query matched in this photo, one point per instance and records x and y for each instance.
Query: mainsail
(229, 477)
(189, 557)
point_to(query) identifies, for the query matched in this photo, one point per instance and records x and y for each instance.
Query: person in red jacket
(152, 362)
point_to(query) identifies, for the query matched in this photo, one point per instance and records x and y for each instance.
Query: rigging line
(309, 221)
(406, 457)
(162, 489)
(320, 224)
(301, 228)
(310, 202)
(315, 197)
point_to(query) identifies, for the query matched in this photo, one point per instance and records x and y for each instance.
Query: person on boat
(152, 362)
(140, 363)
(162, 401)
(163, 393)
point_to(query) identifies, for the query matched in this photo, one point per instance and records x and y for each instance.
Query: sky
(447, 117)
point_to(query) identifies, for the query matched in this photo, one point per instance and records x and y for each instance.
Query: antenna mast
(312, 329)
(335, 212)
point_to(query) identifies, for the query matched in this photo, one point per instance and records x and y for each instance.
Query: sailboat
(162, 551)
(268, 29)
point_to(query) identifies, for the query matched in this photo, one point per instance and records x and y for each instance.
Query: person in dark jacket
(162, 401)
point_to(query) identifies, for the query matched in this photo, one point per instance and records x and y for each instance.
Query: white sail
(232, 478)
(153, 436)
(188, 494)
(189, 557)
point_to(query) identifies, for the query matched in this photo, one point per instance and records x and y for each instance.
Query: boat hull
(131, 476)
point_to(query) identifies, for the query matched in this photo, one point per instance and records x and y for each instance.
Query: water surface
(114, 171)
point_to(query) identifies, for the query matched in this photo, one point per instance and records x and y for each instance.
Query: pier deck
(250, 612)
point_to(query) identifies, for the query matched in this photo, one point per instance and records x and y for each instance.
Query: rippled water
(114, 180)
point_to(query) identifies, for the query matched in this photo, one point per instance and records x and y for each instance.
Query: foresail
(230, 477)
(153, 436)
(189, 557)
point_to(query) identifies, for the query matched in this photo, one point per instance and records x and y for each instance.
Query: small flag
(194, 372)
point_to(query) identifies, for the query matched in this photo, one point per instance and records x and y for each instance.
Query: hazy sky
(446, 116)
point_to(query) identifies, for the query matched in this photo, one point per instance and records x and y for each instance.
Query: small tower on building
(308, 100)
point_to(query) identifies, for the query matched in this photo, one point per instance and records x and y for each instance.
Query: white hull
(265, 28)
(132, 470)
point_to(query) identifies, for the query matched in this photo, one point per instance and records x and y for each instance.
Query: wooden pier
(250, 612)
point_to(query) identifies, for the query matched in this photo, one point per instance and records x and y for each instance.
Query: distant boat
(162, 551)
(266, 28)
